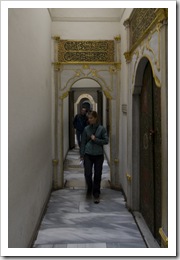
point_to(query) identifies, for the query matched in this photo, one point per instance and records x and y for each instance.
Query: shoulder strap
(97, 129)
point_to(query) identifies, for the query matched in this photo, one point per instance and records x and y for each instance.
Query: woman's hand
(93, 137)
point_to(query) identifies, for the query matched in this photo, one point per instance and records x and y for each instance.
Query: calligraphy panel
(140, 20)
(86, 51)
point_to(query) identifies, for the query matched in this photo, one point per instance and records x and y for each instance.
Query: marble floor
(72, 221)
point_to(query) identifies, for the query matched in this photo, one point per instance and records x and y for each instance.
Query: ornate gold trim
(157, 81)
(64, 95)
(117, 38)
(164, 237)
(56, 37)
(156, 59)
(112, 69)
(116, 160)
(107, 94)
(129, 178)
(128, 56)
(161, 15)
(55, 162)
(57, 65)
(118, 65)
(85, 65)
(86, 50)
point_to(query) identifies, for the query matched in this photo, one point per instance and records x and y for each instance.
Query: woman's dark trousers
(93, 187)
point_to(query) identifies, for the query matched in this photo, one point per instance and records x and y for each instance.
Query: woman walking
(93, 139)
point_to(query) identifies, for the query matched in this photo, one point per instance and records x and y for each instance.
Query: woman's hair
(93, 114)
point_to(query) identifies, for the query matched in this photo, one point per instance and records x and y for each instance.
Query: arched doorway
(86, 104)
(65, 79)
(147, 141)
(80, 96)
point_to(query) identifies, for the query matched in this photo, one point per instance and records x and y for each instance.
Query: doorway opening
(90, 97)
(147, 146)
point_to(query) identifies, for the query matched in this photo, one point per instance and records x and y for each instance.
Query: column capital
(117, 38)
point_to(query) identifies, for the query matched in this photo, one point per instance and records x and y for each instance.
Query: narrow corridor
(65, 57)
(72, 221)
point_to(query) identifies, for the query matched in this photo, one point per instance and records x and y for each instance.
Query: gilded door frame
(136, 131)
(110, 91)
(107, 75)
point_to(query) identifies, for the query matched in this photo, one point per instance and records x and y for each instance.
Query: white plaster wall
(30, 160)
(123, 122)
(86, 30)
(65, 126)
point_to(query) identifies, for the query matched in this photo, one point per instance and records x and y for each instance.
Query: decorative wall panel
(140, 20)
(85, 51)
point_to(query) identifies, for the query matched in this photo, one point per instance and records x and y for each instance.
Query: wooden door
(150, 153)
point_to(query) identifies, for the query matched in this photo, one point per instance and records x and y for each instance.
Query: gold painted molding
(128, 56)
(57, 65)
(157, 59)
(112, 69)
(107, 94)
(55, 162)
(129, 178)
(164, 237)
(85, 66)
(117, 38)
(64, 95)
(157, 81)
(56, 37)
(161, 14)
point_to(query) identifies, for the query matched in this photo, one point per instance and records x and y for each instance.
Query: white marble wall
(65, 126)
(30, 158)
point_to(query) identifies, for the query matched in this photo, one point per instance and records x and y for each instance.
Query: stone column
(129, 118)
(114, 145)
(55, 72)
(60, 143)
(55, 130)
(116, 116)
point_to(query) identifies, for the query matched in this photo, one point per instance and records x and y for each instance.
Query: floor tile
(73, 221)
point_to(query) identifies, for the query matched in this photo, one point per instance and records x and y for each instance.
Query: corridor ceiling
(86, 14)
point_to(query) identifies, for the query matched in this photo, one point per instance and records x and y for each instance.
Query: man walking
(80, 122)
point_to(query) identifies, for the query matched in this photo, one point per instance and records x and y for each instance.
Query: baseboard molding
(146, 233)
(43, 211)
